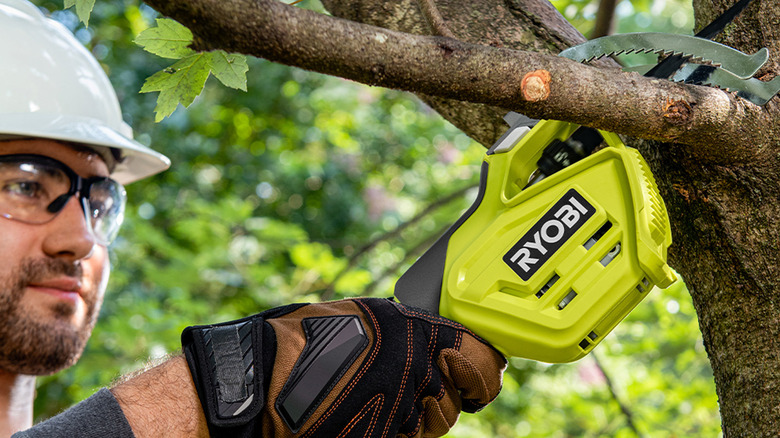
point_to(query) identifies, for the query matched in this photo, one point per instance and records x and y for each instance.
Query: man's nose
(69, 235)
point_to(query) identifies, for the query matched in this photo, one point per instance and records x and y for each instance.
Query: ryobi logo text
(549, 234)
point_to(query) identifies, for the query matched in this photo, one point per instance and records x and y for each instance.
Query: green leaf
(168, 40)
(183, 81)
(83, 9)
(179, 83)
(229, 68)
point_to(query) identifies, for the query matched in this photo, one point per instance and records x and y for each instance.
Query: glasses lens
(27, 188)
(34, 189)
(106, 208)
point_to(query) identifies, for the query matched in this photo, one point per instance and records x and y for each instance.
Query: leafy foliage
(670, 16)
(273, 196)
(183, 81)
(83, 8)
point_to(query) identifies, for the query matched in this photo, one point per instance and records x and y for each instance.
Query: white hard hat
(52, 87)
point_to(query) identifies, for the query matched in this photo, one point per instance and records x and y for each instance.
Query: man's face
(52, 276)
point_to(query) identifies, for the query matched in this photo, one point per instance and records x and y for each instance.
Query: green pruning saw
(563, 242)
(546, 271)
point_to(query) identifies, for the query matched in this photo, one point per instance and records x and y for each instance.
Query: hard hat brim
(138, 160)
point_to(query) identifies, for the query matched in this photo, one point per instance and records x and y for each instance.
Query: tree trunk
(727, 247)
(722, 191)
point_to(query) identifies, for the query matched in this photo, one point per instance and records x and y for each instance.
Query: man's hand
(362, 367)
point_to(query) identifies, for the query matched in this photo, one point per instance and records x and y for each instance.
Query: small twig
(435, 20)
(625, 409)
(605, 19)
(353, 259)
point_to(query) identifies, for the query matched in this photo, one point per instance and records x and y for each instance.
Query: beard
(38, 346)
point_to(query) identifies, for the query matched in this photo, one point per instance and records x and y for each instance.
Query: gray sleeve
(96, 417)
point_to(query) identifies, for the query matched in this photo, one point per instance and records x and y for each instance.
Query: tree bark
(720, 179)
(698, 117)
(727, 247)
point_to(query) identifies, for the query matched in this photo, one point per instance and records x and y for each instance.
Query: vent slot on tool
(567, 299)
(611, 255)
(642, 287)
(585, 343)
(547, 286)
(598, 235)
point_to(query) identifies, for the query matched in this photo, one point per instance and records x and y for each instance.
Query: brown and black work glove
(365, 367)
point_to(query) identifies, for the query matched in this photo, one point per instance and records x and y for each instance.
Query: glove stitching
(375, 417)
(436, 319)
(402, 387)
(429, 374)
(429, 371)
(433, 319)
(442, 390)
(370, 406)
(363, 369)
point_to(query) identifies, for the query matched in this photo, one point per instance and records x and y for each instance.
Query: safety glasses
(34, 189)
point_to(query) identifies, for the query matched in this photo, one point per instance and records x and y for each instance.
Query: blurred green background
(309, 187)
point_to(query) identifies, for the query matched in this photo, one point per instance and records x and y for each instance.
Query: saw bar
(697, 49)
(754, 90)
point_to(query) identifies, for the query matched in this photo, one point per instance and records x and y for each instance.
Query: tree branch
(353, 259)
(435, 20)
(531, 25)
(605, 19)
(411, 254)
(700, 117)
(625, 409)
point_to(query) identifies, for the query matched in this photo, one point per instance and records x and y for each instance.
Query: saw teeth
(659, 52)
(692, 58)
(699, 50)
(752, 89)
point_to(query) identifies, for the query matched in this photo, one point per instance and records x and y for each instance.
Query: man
(365, 367)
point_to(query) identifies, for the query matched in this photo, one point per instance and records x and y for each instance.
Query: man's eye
(98, 209)
(27, 189)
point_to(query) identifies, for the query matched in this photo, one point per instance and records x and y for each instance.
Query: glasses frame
(78, 184)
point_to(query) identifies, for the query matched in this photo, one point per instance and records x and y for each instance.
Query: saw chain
(702, 61)
(752, 89)
(699, 50)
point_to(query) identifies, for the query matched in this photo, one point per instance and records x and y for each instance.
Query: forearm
(162, 402)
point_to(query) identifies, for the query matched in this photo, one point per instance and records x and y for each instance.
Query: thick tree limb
(442, 67)
(528, 25)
